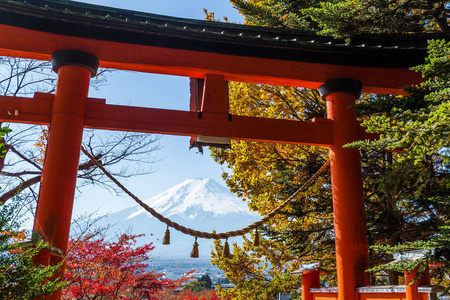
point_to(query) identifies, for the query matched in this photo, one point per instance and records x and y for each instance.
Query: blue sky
(176, 163)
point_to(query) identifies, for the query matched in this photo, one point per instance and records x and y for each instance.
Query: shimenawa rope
(203, 234)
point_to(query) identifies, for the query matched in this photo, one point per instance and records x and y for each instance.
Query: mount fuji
(201, 204)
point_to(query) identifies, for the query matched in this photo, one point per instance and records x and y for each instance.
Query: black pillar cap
(340, 85)
(75, 58)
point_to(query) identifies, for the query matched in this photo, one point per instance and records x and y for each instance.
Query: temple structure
(79, 38)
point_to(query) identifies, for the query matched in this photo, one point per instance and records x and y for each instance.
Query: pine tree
(350, 17)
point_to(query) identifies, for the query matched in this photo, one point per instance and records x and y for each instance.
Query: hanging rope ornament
(226, 250)
(203, 234)
(256, 239)
(166, 239)
(194, 252)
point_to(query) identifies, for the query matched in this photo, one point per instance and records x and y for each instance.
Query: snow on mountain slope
(194, 196)
(201, 204)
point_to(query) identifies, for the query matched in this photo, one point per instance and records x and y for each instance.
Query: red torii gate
(78, 37)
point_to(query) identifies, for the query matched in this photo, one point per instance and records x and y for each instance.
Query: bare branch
(25, 184)
(18, 174)
(24, 77)
(13, 149)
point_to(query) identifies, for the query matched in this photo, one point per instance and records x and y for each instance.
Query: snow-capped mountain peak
(196, 196)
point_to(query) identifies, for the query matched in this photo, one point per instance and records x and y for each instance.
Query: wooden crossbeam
(99, 115)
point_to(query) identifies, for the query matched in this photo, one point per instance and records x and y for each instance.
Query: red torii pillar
(352, 258)
(54, 209)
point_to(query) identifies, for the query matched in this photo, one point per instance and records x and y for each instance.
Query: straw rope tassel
(166, 239)
(256, 239)
(194, 252)
(226, 250)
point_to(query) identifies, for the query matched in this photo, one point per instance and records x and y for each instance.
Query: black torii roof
(125, 26)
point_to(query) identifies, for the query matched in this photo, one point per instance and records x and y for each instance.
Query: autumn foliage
(41, 144)
(100, 269)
